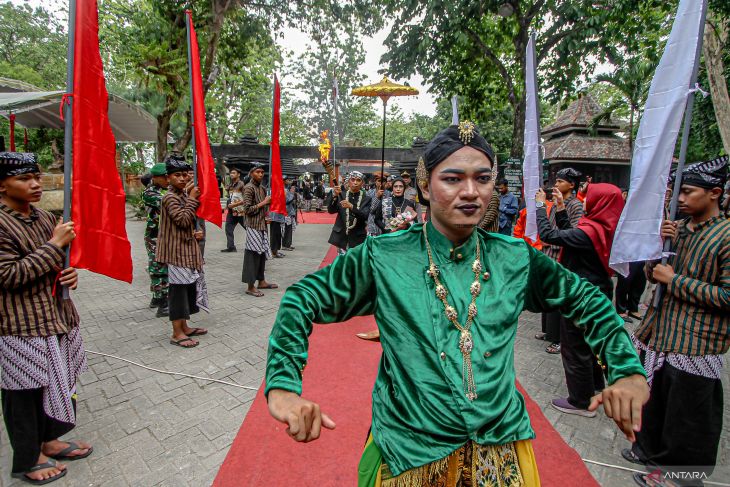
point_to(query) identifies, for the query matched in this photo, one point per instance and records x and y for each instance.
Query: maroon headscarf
(604, 205)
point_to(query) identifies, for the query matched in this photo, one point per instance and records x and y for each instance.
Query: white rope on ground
(167, 372)
(627, 469)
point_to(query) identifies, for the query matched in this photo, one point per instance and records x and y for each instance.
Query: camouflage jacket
(152, 199)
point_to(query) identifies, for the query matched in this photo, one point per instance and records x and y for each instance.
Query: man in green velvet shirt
(446, 380)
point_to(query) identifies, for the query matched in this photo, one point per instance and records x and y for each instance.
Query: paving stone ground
(151, 429)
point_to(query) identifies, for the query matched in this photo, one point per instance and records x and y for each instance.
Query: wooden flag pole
(683, 148)
(68, 129)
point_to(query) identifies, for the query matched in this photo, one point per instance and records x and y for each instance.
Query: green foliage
(32, 46)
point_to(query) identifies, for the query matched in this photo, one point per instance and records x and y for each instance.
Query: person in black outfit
(393, 206)
(319, 195)
(586, 249)
(352, 208)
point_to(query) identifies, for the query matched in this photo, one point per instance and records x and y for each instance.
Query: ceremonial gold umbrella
(384, 89)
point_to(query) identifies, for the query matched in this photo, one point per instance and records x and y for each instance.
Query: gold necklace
(466, 341)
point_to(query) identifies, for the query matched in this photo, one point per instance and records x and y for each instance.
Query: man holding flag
(41, 350)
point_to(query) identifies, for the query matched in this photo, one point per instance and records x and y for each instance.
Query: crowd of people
(447, 380)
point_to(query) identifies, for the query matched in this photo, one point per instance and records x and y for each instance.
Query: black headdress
(707, 174)
(569, 174)
(17, 163)
(177, 163)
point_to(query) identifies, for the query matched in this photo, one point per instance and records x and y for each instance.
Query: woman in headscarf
(394, 205)
(586, 249)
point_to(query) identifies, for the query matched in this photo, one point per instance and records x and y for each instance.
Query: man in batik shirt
(152, 199)
(683, 340)
(445, 403)
(41, 351)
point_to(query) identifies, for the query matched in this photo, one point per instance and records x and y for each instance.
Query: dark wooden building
(599, 152)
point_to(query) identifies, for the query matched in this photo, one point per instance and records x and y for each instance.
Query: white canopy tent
(35, 109)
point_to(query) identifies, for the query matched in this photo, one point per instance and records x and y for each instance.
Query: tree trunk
(163, 126)
(518, 128)
(716, 36)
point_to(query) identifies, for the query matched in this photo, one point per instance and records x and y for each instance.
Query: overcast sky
(296, 41)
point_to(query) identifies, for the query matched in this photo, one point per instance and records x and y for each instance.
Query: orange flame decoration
(324, 155)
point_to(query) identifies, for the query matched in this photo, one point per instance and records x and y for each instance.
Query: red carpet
(319, 218)
(339, 376)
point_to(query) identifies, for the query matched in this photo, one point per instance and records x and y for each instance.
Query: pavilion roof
(580, 115)
(588, 148)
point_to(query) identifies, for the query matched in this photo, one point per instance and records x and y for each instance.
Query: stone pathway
(150, 429)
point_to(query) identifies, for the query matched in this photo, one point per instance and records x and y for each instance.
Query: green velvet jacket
(420, 411)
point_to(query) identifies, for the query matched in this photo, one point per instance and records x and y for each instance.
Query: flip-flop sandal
(255, 294)
(196, 332)
(553, 348)
(64, 454)
(635, 316)
(179, 343)
(270, 286)
(49, 464)
(649, 480)
(630, 456)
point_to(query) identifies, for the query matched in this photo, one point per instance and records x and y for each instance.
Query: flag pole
(271, 148)
(683, 148)
(334, 131)
(188, 21)
(68, 129)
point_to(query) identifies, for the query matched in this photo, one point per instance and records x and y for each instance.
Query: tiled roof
(581, 147)
(580, 113)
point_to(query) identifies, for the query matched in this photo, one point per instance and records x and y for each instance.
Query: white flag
(531, 164)
(454, 110)
(638, 233)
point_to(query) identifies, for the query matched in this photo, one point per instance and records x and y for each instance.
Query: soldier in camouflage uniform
(152, 198)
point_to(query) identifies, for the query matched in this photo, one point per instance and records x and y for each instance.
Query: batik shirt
(420, 411)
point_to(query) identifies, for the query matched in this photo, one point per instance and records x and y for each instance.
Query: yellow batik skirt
(472, 465)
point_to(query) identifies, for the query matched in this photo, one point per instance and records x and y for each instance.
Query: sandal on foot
(256, 294)
(179, 343)
(270, 286)
(64, 454)
(196, 332)
(632, 457)
(540, 336)
(41, 466)
(553, 348)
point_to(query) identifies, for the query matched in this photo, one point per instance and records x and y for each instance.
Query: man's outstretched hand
(622, 402)
(304, 418)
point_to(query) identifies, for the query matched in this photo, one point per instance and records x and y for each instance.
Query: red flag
(11, 118)
(98, 202)
(278, 199)
(210, 197)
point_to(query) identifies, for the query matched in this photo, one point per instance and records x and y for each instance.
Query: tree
(32, 46)
(716, 56)
(438, 40)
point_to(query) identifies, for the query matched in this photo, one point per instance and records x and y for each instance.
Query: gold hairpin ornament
(466, 131)
(421, 172)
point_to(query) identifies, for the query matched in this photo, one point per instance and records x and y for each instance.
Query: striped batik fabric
(574, 207)
(693, 317)
(253, 195)
(176, 242)
(29, 266)
(52, 363)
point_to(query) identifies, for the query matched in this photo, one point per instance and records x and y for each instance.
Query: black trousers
(275, 235)
(231, 223)
(583, 375)
(28, 426)
(629, 289)
(682, 422)
(182, 301)
(551, 326)
(288, 235)
(254, 265)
